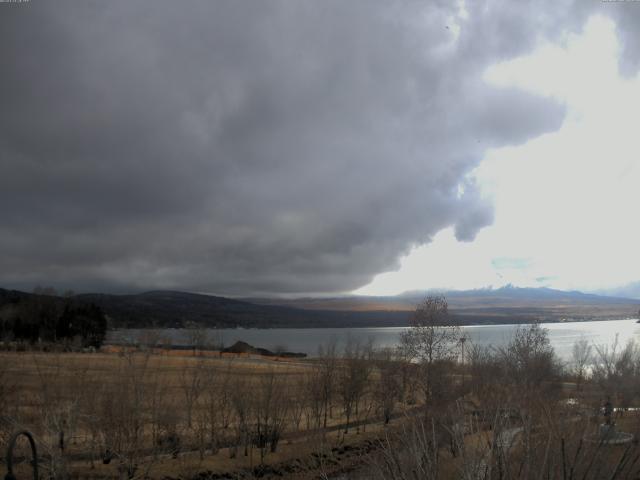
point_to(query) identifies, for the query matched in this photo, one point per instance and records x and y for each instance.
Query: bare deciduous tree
(431, 341)
(353, 376)
(241, 401)
(269, 412)
(315, 394)
(580, 359)
(327, 376)
(299, 401)
(198, 339)
(529, 358)
(617, 370)
(192, 383)
(433, 332)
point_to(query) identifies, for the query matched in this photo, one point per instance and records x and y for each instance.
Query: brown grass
(37, 379)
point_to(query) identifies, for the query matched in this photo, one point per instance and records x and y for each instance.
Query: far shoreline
(316, 327)
(308, 340)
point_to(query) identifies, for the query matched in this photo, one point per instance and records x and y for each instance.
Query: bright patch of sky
(566, 203)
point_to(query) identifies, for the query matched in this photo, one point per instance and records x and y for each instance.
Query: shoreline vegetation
(437, 406)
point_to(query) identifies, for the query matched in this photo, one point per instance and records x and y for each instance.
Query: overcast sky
(308, 147)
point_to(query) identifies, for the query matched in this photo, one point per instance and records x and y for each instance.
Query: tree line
(44, 316)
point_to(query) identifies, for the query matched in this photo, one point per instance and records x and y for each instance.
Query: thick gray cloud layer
(249, 147)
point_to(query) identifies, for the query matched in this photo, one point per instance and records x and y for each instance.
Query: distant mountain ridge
(511, 291)
(630, 290)
(507, 296)
(176, 309)
(180, 309)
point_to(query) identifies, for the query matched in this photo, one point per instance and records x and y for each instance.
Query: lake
(306, 340)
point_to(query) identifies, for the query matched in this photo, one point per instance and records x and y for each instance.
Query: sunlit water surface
(307, 340)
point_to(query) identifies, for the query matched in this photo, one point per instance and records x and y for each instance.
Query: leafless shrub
(124, 412)
(269, 412)
(617, 370)
(7, 413)
(352, 379)
(326, 378)
(241, 404)
(59, 407)
(580, 360)
(298, 401)
(387, 389)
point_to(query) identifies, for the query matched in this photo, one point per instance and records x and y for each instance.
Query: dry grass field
(155, 414)
(514, 412)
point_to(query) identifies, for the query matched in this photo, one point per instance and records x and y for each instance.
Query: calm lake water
(307, 340)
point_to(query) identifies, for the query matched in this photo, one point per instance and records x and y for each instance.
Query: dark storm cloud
(248, 147)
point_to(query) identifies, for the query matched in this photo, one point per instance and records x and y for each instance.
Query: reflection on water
(307, 340)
